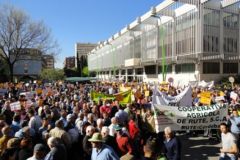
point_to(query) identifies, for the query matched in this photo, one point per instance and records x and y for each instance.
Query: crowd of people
(60, 121)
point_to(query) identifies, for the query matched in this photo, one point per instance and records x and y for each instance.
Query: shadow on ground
(199, 148)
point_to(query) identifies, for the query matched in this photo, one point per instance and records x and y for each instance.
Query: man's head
(90, 130)
(39, 151)
(6, 131)
(224, 128)
(168, 132)
(235, 113)
(99, 123)
(105, 131)
(52, 142)
(59, 124)
(96, 140)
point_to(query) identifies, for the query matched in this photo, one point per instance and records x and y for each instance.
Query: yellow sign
(205, 94)
(146, 93)
(205, 100)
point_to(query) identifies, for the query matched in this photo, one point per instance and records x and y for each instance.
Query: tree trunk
(11, 71)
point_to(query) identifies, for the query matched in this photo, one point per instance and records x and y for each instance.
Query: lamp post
(164, 74)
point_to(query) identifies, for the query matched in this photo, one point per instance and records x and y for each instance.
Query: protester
(39, 152)
(101, 151)
(172, 145)
(229, 148)
(65, 116)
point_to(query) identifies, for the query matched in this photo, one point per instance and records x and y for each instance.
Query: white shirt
(228, 140)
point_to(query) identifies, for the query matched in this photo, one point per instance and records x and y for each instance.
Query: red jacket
(133, 129)
(124, 144)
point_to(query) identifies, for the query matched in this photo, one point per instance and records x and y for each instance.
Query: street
(199, 148)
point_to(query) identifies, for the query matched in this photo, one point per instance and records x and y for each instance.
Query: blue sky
(74, 21)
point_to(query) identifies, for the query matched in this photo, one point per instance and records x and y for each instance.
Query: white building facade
(193, 39)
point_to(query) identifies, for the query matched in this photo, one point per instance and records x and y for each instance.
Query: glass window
(168, 68)
(130, 71)
(150, 69)
(185, 68)
(230, 67)
(139, 71)
(211, 67)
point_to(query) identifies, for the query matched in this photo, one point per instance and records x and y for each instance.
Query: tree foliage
(52, 74)
(85, 71)
(19, 32)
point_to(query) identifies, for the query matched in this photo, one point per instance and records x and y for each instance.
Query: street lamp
(164, 74)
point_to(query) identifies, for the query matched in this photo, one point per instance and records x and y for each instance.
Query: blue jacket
(173, 148)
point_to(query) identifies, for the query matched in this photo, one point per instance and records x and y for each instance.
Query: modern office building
(48, 61)
(81, 51)
(69, 62)
(193, 39)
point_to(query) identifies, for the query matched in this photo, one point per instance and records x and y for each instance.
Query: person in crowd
(25, 151)
(57, 150)
(6, 131)
(234, 121)
(35, 121)
(16, 126)
(109, 140)
(123, 141)
(229, 149)
(39, 152)
(59, 132)
(100, 123)
(87, 147)
(172, 145)
(114, 122)
(100, 150)
(11, 152)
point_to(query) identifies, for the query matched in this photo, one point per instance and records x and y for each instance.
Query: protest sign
(16, 106)
(122, 97)
(189, 118)
(234, 95)
(205, 98)
(146, 93)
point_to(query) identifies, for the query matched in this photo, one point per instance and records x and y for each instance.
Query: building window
(230, 67)
(130, 71)
(123, 72)
(185, 68)
(167, 67)
(150, 69)
(211, 67)
(139, 71)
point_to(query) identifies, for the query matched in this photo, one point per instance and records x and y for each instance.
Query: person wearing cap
(39, 152)
(101, 151)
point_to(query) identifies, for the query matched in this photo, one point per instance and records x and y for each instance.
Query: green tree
(19, 32)
(85, 71)
(52, 74)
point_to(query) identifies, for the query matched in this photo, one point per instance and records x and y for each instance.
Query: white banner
(183, 99)
(189, 118)
(16, 106)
